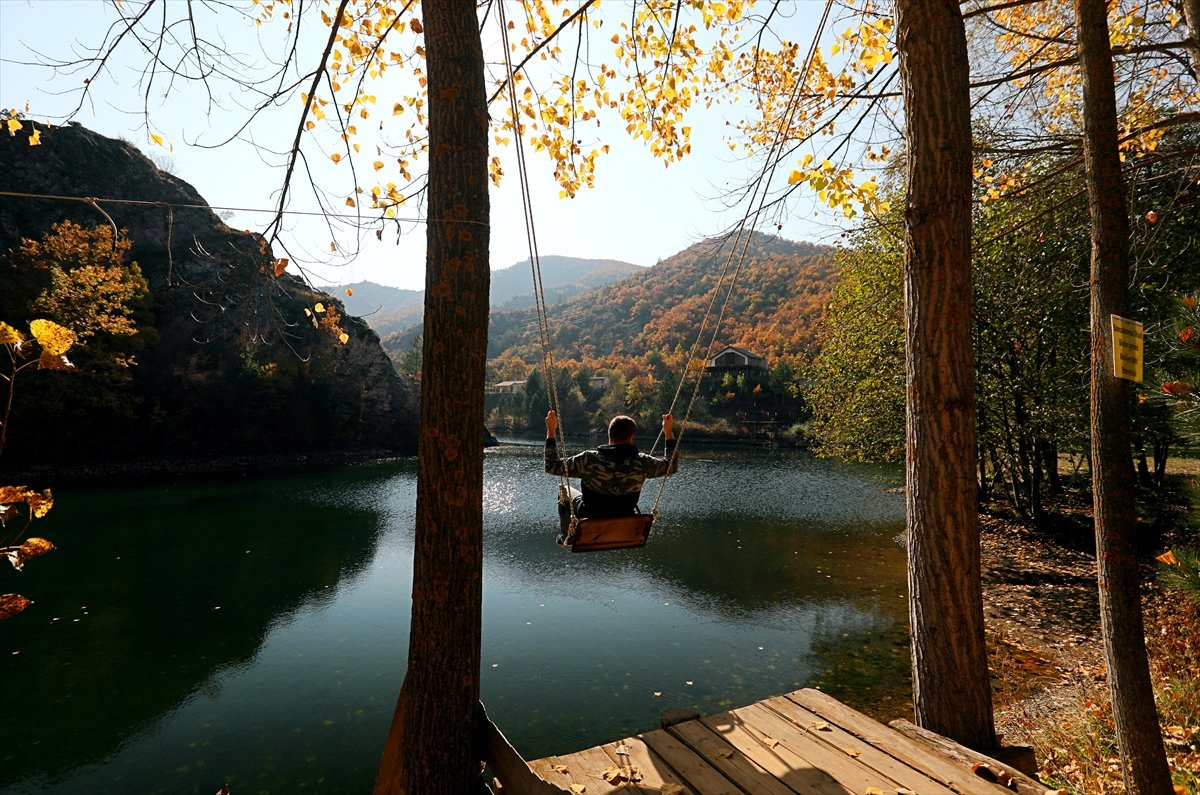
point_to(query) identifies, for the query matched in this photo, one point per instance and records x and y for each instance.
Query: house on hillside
(598, 382)
(736, 361)
(507, 387)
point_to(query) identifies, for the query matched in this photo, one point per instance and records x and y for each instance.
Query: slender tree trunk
(431, 745)
(951, 691)
(1191, 16)
(1138, 733)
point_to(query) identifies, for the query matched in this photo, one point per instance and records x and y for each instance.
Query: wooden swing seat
(612, 532)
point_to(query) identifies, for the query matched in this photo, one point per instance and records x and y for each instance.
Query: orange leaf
(1168, 558)
(1177, 388)
(349, 291)
(11, 604)
(350, 202)
(1190, 302)
(415, 25)
(35, 548)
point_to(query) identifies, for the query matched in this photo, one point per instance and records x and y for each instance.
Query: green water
(253, 631)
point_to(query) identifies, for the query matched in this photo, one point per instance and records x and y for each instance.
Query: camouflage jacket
(612, 475)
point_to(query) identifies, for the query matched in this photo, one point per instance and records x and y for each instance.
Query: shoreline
(161, 469)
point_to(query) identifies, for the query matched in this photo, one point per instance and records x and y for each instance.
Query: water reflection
(253, 632)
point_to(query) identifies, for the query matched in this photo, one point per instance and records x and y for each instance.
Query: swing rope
(742, 236)
(535, 265)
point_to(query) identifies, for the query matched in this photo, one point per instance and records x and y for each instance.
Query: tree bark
(1138, 734)
(951, 690)
(431, 747)
(1191, 16)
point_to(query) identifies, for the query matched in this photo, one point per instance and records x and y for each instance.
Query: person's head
(621, 430)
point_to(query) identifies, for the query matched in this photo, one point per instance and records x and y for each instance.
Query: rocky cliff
(232, 361)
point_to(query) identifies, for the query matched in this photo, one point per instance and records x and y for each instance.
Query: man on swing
(612, 475)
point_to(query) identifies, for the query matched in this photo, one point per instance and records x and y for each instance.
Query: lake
(253, 630)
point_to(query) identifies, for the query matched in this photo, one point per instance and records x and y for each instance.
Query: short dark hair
(621, 429)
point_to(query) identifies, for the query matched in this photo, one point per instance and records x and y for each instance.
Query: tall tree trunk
(1138, 734)
(1191, 16)
(431, 745)
(951, 690)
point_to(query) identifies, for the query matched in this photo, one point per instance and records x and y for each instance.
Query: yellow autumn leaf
(377, 165)
(578, 789)
(795, 177)
(13, 126)
(335, 157)
(39, 503)
(9, 335)
(156, 138)
(54, 339)
(319, 308)
(35, 139)
(349, 291)
(343, 338)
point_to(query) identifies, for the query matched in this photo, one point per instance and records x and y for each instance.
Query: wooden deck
(803, 742)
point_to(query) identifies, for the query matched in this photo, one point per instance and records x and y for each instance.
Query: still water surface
(253, 631)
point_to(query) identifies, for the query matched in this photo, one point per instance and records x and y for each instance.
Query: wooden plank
(698, 774)
(750, 775)
(894, 743)
(559, 771)
(615, 532)
(967, 757)
(507, 765)
(838, 765)
(647, 771)
(833, 735)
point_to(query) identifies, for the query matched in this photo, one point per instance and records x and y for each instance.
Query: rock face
(233, 362)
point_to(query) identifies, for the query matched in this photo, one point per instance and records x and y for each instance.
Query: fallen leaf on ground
(852, 752)
(671, 789)
(559, 768)
(614, 775)
(770, 742)
(621, 750)
(820, 726)
(579, 789)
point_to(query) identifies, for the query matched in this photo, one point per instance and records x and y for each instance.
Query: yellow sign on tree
(1127, 348)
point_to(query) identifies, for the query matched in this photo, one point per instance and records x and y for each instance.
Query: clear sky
(639, 211)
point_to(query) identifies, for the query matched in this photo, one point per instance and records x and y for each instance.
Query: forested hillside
(622, 348)
(187, 338)
(776, 304)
